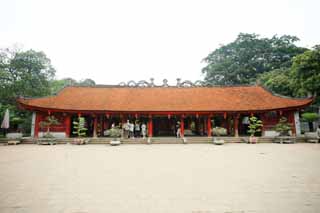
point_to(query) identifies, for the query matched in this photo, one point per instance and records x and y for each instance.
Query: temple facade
(197, 108)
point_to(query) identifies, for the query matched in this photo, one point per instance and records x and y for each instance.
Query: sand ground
(194, 178)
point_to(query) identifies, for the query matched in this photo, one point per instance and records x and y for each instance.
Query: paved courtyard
(202, 178)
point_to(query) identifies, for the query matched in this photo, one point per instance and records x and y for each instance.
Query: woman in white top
(131, 129)
(143, 130)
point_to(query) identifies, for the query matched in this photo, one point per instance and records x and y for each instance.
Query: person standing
(318, 133)
(137, 129)
(178, 127)
(126, 128)
(131, 130)
(143, 130)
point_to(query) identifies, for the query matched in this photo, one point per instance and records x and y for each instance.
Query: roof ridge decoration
(180, 83)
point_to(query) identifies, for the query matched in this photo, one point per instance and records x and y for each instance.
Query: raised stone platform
(159, 140)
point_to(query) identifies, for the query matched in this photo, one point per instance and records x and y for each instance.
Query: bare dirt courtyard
(195, 178)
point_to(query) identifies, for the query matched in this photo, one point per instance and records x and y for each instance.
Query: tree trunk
(310, 126)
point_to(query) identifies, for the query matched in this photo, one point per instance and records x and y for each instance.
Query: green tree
(306, 71)
(310, 117)
(23, 73)
(79, 127)
(50, 121)
(279, 81)
(254, 126)
(87, 82)
(241, 61)
(57, 85)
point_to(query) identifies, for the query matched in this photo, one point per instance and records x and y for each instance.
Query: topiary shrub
(310, 117)
(283, 127)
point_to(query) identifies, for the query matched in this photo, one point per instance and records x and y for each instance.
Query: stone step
(162, 140)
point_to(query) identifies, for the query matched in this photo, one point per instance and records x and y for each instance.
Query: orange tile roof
(164, 99)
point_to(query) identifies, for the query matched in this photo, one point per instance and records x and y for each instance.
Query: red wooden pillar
(236, 125)
(209, 125)
(106, 123)
(150, 127)
(182, 126)
(67, 124)
(95, 124)
(123, 120)
(36, 125)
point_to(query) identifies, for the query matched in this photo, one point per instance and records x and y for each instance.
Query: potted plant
(79, 130)
(115, 134)
(218, 131)
(283, 127)
(48, 138)
(310, 117)
(255, 126)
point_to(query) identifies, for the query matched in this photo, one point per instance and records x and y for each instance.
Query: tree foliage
(241, 61)
(283, 127)
(254, 126)
(301, 79)
(306, 72)
(57, 85)
(279, 81)
(23, 73)
(50, 121)
(79, 127)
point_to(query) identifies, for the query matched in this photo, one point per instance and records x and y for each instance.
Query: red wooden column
(150, 127)
(209, 125)
(262, 118)
(36, 125)
(106, 122)
(95, 124)
(67, 124)
(236, 125)
(182, 126)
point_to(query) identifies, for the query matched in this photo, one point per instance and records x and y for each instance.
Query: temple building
(197, 108)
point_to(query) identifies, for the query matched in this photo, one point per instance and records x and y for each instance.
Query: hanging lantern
(169, 116)
(136, 115)
(225, 115)
(197, 115)
(108, 115)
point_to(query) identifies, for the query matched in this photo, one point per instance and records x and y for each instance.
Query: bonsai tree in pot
(310, 117)
(48, 138)
(283, 127)
(79, 130)
(218, 131)
(255, 126)
(115, 134)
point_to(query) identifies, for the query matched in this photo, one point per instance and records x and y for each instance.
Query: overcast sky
(114, 41)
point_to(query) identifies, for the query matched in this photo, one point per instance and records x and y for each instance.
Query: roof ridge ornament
(180, 83)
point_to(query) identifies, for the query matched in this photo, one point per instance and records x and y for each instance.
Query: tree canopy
(57, 85)
(301, 79)
(241, 61)
(29, 74)
(24, 73)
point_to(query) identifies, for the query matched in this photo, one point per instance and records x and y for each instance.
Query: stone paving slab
(194, 178)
